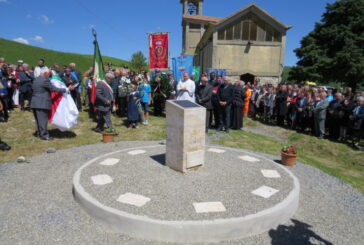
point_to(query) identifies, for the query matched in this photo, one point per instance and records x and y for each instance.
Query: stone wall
(269, 80)
(193, 38)
(263, 80)
(254, 59)
(206, 57)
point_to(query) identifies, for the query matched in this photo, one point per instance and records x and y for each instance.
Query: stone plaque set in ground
(157, 203)
(186, 122)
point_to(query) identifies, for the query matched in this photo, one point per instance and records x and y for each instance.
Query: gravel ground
(37, 206)
(224, 178)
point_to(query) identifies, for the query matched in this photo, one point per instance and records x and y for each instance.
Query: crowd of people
(324, 113)
(332, 113)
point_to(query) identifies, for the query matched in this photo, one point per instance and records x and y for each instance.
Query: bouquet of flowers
(289, 149)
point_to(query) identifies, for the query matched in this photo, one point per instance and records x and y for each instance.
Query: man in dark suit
(301, 111)
(41, 102)
(237, 105)
(77, 77)
(281, 105)
(319, 114)
(103, 103)
(212, 80)
(115, 84)
(203, 97)
(215, 101)
(26, 79)
(333, 116)
(225, 96)
(357, 121)
(70, 80)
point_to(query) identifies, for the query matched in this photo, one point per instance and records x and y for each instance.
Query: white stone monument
(186, 125)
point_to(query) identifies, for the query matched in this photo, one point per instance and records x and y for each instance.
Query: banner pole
(149, 49)
(169, 54)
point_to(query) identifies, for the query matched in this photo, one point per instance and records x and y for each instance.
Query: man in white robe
(186, 88)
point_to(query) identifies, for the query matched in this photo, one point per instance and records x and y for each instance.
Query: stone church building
(249, 43)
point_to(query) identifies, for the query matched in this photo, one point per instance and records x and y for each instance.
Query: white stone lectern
(186, 125)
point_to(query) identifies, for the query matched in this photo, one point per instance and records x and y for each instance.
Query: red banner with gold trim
(158, 50)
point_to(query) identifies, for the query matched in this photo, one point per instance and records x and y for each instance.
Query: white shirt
(37, 70)
(189, 94)
(125, 79)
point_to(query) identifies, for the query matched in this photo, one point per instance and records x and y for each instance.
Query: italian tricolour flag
(64, 112)
(99, 73)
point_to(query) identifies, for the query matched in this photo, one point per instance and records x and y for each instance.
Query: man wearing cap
(20, 62)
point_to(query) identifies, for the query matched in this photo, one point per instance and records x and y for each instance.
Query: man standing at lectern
(186, 88)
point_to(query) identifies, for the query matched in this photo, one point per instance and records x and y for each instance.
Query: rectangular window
(229, 33)
(261, 31)
(195, 26)
(246, 26)
(253, 31)
(269, 34)
(277, 36)
(221, 34)
(237, 31)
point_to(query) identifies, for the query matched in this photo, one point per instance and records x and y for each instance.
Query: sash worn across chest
(108, 87)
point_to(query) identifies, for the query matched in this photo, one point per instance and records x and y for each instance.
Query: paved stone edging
(187, 231)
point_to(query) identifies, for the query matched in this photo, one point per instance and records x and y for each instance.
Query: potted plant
(289, 155)
(108, 135)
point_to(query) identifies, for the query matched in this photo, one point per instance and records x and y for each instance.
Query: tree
(334, 50)
(285, 75)
(138, 61)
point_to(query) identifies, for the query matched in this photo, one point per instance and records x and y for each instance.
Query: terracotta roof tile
(203, 18)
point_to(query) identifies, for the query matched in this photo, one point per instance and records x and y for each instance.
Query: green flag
(99, 73)
(197, 73)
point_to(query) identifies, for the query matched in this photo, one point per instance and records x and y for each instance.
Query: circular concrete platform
(236, 194)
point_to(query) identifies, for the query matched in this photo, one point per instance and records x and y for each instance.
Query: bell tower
(192, 7)
(193, 27)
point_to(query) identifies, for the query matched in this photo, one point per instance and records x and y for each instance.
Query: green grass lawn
(337, 159)
(18, 133)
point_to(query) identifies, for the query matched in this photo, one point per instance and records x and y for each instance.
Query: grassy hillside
(13, 51)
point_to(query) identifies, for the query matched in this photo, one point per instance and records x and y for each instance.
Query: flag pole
(94, 33)
(98, 67)
(148, 33)
(169, 53)
(93, 82)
